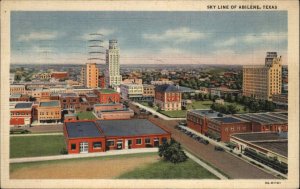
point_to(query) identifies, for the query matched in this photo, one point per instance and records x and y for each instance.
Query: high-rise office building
(112, 72)
(90, 75)
(262, 81)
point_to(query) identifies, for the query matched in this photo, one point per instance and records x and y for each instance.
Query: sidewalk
(235, 153)
(72, 156)
(38, 134)
(206, 166)
(155, 112)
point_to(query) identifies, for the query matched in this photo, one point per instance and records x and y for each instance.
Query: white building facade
(112, 72)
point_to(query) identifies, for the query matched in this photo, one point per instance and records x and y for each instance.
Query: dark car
(218, 148)
(206, 142)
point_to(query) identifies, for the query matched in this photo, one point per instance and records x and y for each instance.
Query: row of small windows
(18, 113)
(47, 113)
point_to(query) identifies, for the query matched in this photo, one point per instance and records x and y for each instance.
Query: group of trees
(172, 152)
(255, 105)
(225, 109)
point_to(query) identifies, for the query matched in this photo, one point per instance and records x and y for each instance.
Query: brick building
(112, 111)
(149, 90)
(197, 119)
(49, 112)
(106, 96)
(19, 97)
(21, 114)
(70, 101)
(59, 75)
(167, 97)
(266, 122)
(17, 89)
(83, 137)
(103, 135)
(222, 127)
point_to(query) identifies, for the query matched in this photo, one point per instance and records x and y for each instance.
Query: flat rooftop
(52, 103)
(265, 118)
(261, 136)
(15, 96)
(91, 95)
(64, 95)
(83, 130)
(109, 104)
(227, 120)
(133, 127)
(23, 105)
(280, 147)
(276, 142)
(207, 113)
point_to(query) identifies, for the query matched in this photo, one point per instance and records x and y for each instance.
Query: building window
(97, 145)
(164, 140)
(147, 141)
(73, 146)
(110, 143)
(138, 141)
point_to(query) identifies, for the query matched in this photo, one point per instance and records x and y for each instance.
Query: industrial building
(270, 148)
(103, 135)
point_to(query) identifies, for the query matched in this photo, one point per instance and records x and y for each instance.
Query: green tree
(172, 152)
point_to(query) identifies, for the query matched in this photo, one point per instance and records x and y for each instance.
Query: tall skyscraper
(262, 81)
(90, 75)
(112, 72)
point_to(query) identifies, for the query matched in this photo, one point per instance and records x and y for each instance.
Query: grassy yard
(16, 166)
(195, 105)
(182, 113)
(200, 104)
(167, 170)
(86, 116)
(30, 146)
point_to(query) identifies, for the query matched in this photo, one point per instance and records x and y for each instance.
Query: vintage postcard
(149, 94)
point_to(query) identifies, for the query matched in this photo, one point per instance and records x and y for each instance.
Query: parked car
(218, 148)
(206, 142)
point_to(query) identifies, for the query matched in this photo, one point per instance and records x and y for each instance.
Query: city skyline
(150, 37)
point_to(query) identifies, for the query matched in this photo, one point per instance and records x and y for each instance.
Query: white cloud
(178, 35)
(103, 31)
(265, 37)
(226, 43)
(38, 36)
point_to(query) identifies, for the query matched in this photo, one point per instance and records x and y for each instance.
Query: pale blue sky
(150, 37)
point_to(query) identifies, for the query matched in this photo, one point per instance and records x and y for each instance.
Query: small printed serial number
(273, 182)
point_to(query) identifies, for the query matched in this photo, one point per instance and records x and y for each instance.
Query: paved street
(234, 167)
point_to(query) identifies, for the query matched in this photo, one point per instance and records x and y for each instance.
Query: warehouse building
(103, 135)
(265, 122)
(112, 111)
(270, 148)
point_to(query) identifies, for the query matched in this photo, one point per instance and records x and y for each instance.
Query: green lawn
(200, 104)
(86, 116)
(168, 170)
(15, 166)
(182, 113)
(195, 105)
(30, 146)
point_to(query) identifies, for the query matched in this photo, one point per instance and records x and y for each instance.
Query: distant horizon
(241, 37)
